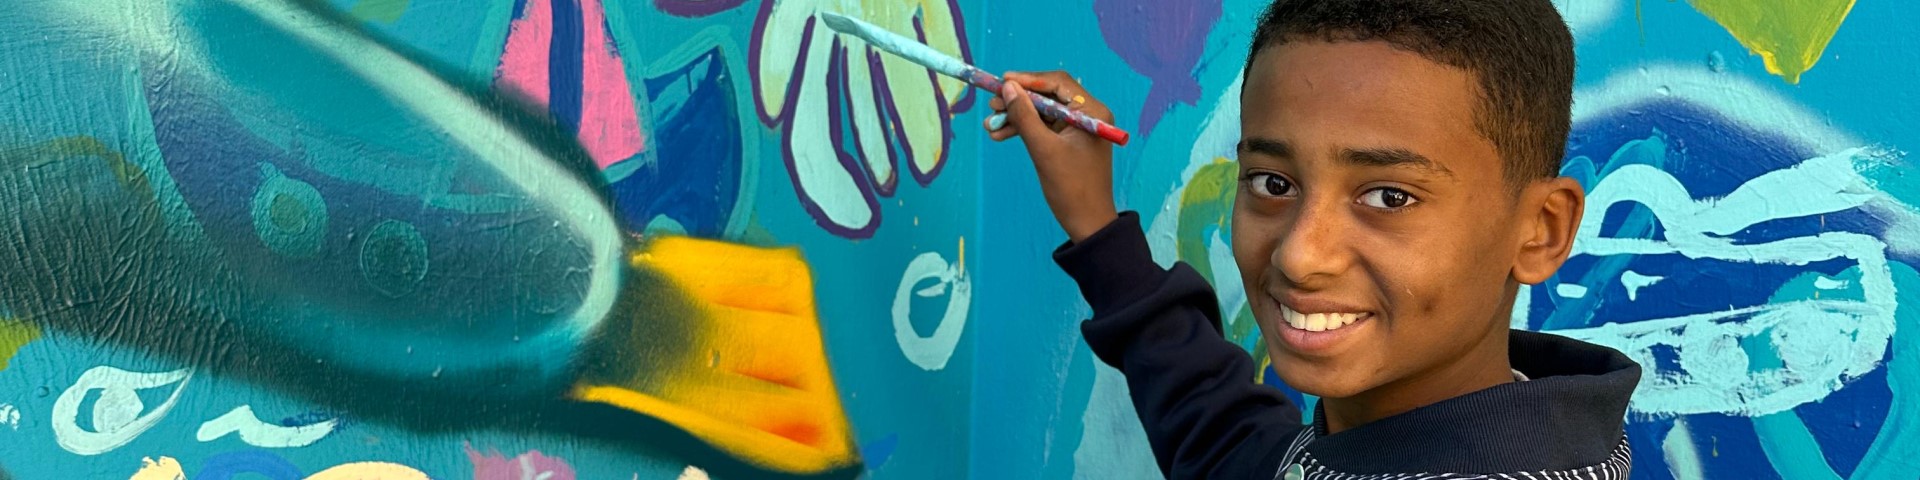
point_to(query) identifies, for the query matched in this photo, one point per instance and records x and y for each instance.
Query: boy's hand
(1075, 166)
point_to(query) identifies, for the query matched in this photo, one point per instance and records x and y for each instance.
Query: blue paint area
(565, 64)
(310, 418)
(1845, 421)
(1649, 434)
(247, 464)
(1711, 155)
(876, 453)
(691, 172)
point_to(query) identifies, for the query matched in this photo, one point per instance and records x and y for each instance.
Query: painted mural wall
(490, 239)
(552, 239)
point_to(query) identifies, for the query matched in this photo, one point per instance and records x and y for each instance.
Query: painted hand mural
(850, 113)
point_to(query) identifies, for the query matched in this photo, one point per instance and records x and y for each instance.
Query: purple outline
(693, 9)
(878, 75)
(965, 102)
(847, 162)
(799, 66)
(946, 122)
(837, 89)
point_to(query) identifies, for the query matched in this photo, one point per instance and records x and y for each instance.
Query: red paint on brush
(1113, 134)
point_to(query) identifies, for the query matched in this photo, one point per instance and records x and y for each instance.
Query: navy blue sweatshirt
(1206, 418)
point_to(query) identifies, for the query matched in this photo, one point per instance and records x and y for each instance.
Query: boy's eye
(1269, 185)
(1387, 198)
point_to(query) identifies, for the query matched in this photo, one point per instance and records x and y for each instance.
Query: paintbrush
(940, 62)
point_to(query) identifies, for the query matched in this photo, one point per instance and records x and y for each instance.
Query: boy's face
(1368, 195)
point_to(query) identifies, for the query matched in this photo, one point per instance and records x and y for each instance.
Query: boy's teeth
(1317, 322)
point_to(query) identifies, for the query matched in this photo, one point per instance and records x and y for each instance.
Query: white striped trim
(1617, 466)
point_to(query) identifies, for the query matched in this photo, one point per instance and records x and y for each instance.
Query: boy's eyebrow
(1364, 157)
(1393, 157)
(1266, 146)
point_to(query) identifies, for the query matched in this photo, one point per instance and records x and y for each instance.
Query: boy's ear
(1549, 216)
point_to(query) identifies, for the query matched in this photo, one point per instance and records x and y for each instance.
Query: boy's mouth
(1320, 322)
(1319, 330)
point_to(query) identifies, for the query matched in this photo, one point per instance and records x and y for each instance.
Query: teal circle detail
(1295, 472)
(289, 216)
(393, 259)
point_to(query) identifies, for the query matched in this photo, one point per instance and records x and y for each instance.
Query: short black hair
(1520, 50)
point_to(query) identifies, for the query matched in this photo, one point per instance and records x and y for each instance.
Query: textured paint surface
(1788, 35)
(386, 11)
(555, 239)
(851, 114)
(13, 335)
(379, 239)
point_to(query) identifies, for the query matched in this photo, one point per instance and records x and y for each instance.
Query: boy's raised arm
(1193, 389)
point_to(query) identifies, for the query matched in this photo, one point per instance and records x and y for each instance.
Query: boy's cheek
(1254, 240)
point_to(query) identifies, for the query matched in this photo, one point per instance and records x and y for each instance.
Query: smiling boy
(1399, 181)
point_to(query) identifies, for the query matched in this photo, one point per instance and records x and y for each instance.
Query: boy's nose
(1312, 250)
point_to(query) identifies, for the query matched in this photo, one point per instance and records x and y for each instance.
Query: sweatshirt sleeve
(1193, 389)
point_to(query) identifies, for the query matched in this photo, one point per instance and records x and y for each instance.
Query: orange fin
(755, 382)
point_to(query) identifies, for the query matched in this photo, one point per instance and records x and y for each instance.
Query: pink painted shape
(493, 466)
(609, 124)
(523, 66)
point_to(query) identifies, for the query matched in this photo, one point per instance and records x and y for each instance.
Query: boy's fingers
(1023, 117)
(1031, 81)
(997, 104)
(995, 122)
(1065, 89)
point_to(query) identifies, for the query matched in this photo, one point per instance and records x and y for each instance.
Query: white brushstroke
(1825, 283)
(693, 473)
(10, 416)
(1634, 281)
(1113, 444)
(118, 415)
(530, 472)
(1903, 221)
(1682, 456)
(1823, 343)
(262, 434)
(1584, 17)
(1570, 290)
(931, 352)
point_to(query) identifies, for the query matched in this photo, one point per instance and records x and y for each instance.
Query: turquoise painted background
(403, 238)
